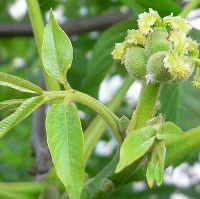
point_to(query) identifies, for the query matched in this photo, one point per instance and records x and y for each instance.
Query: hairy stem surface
(146, 106)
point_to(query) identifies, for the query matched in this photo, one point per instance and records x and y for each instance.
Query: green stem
(180, 146)
(190, 6)
(92, 103)
(38, 29)
(96, 128)
(144, 112)
(95, 185)
(36, 21)
(146, 106)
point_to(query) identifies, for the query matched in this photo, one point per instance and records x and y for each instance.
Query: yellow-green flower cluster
(176, 65)
(120, 51)
(133, 37)
(147, 20)
(182, 45)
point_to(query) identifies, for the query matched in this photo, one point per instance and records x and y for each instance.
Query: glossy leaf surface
(19, 84)
(65, 140)
(20, 114)
(135, 145)
(57, 51)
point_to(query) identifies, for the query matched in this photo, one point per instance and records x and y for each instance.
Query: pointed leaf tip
(57, 51)
(19, 84)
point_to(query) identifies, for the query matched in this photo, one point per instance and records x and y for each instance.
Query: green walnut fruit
(157, 41)
(156, 71)
(135, 62)
(187, 60)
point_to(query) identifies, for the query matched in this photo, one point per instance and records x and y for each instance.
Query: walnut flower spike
(159, 50)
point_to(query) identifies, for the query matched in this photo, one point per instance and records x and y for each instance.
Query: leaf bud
(107, 186)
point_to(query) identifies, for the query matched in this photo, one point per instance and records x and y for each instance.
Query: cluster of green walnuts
(159, 51)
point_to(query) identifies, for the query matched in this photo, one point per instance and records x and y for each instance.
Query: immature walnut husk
(157, 41)
(156, 70)
(135, 62)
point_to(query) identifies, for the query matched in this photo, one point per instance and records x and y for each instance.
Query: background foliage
(179, 103)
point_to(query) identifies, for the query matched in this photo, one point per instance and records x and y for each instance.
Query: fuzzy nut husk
(157, 41)
(135, 62)
(156, 71)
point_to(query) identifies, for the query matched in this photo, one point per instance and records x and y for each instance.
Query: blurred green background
(19, 56)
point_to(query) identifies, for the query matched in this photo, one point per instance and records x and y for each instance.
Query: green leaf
(156, 120)
(65, 140)
(168, 130)
(163, 7)
(21, 190)
(159, 167)
(20, 114)
(170, 101)
(180, 104)
(57, 51)
(150, 173)
(133, 5)
(156, 165)
(13, 195)
(31, 188)
(101, 61)
(19, 84)
(10, 105)
(135, 145)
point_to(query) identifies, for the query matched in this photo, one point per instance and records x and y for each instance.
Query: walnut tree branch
(71, 27)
